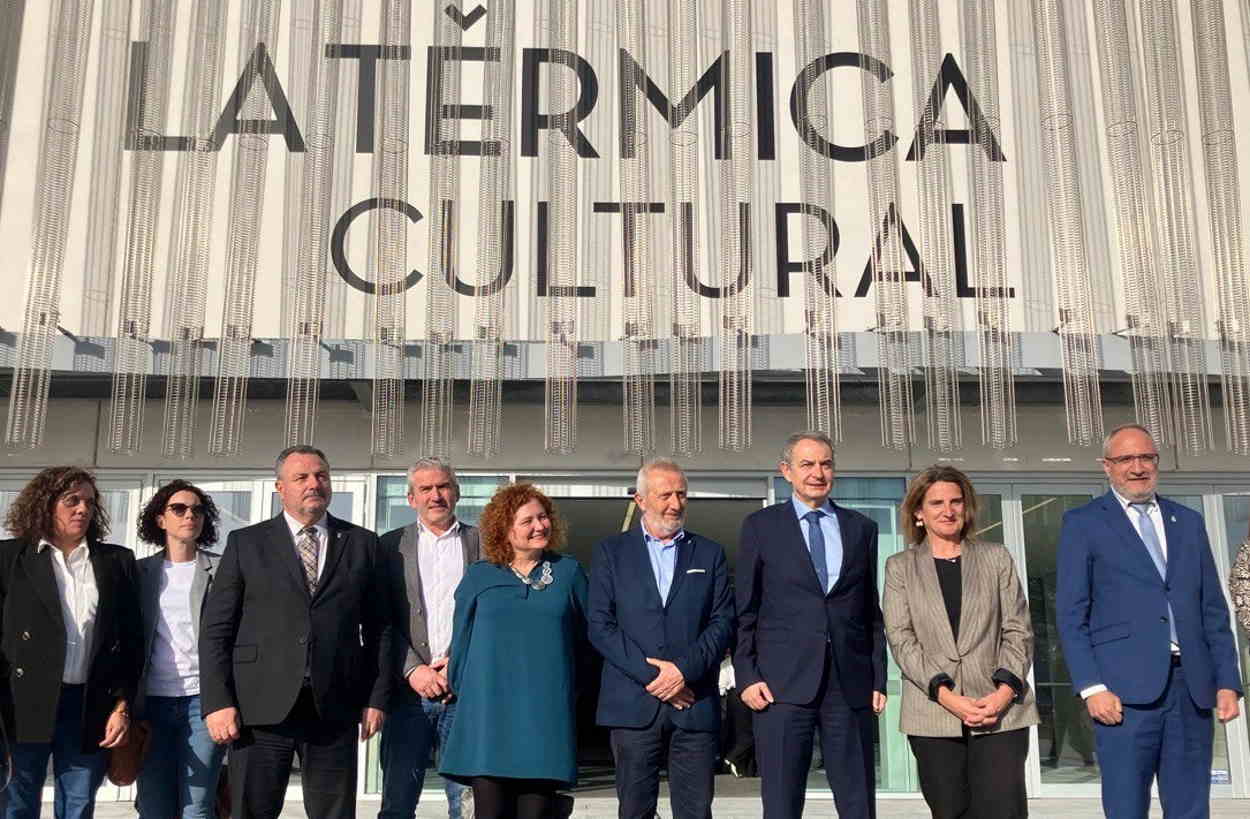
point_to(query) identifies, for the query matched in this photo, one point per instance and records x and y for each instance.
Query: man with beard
(1145, 633)
(662, 615)
(293, 648)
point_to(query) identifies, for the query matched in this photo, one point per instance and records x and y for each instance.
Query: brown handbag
(126, 760)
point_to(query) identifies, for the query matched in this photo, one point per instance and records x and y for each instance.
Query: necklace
(539, 584)
(954, 559)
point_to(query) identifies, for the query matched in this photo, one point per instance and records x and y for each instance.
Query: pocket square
(696, 571)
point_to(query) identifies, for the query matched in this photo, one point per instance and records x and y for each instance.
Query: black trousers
(498, 797)
(973, 777)
(784, 734)
(260, 765)
(738, 735)
(690, 757)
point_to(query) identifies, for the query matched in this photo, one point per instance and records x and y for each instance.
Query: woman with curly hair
(182, 765)
(519, 625)
(69, 642)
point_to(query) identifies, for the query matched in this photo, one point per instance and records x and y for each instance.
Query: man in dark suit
(1146, 634)
(293, 648)
(662, 615)
(811, 642)
(428, 558)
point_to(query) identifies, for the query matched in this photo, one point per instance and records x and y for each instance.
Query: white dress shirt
(80, 598)
(323, 538)
(1156, 517)
(440, 559)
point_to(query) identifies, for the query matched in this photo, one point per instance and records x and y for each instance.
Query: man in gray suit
(427, 560)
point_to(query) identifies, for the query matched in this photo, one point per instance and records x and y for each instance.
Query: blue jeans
(76, 775)
(182, 765)
(410, 733)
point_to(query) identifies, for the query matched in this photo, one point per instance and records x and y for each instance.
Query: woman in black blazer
(70, 647)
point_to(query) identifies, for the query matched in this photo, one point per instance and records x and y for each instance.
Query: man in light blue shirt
(824, 542)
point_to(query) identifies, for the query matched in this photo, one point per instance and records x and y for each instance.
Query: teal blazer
(514, 653)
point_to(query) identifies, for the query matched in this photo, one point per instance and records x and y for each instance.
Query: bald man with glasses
(1146, 635)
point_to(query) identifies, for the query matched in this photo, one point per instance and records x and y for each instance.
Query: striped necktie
(308, 546)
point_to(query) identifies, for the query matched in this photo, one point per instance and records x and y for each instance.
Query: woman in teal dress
(519, 625)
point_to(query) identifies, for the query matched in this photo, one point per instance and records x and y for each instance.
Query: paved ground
(742, 808)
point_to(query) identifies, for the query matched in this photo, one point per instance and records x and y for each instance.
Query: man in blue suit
(662, 615)
(811, 643)
(1146, 635)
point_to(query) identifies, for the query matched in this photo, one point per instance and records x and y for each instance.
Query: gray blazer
(150, 603)
(411, 632)
(994, 632)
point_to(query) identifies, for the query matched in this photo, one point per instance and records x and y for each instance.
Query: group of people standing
(308, 634)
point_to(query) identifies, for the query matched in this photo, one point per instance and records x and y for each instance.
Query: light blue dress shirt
(663, 554)
(833, 536)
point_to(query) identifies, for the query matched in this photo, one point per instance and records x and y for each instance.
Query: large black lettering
(685, 227)
(634, 79)
(959, 242)
(566, 122)
(437, 110)
(631, 211)
(978, 130)
(815, 266)
(916, 274)
(541, 275)
(259, 65)
(339, 237)
(366, 82)
(136, 108)
(801, 117)
(503, 276)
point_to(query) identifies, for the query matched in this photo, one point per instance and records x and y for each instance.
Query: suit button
(422, 644)
(25, 635)
(19, 672)
(303, 641)
(419, 611)
(1163, 619)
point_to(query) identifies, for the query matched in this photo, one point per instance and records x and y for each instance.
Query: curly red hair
(499, 514)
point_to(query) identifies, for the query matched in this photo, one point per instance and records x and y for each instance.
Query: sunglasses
(181, 509)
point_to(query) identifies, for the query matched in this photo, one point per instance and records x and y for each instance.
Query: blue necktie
(1150, 537)
(816, 545)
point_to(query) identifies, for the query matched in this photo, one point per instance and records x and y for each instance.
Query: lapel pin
(1174, 518)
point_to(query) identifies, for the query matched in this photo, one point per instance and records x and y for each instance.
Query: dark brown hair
(919, 487)
(150, 532)
(30, 516)
(499, 514)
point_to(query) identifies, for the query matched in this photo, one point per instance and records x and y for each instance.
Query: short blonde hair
(913, 532)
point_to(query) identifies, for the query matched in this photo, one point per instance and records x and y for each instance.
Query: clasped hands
(670, 685)
(1105, 707)
(982, 712)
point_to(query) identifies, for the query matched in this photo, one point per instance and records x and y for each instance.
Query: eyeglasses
(1150, 459)
(181, 509)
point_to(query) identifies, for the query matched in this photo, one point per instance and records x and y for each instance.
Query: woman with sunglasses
(182, 764)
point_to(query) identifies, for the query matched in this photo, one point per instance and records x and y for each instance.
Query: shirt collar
(451, 530)
(801, 508)
(44, 543)
(677, 537)
(1125, 503)
(296, 527)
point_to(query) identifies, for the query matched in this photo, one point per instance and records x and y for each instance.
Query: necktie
(308, 546)
(816, 545)
(1150, 536)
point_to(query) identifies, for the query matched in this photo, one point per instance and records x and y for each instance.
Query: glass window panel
(393, 510)
(1066, 735)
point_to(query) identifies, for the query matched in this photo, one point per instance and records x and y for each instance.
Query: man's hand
(1226, 707)
(429, 680)
(668, 682)
(117, 727)
(1105, 707)
(878, 701)
(371, 720)
(969, 711)
(223, 725)
(757, 697)
(683, 699)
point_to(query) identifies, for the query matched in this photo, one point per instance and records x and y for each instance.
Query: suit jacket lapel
(642, 565)
(336, 541)
(1171, 531)
(790, 522)
(970, 584)
(931, 594)
(470, 544)
(38, 568)
(1119, 522)
(685, 552)
(284, 541)
(848, 531)
(102, 568)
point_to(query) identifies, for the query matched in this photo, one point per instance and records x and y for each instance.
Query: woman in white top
(182, 765)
